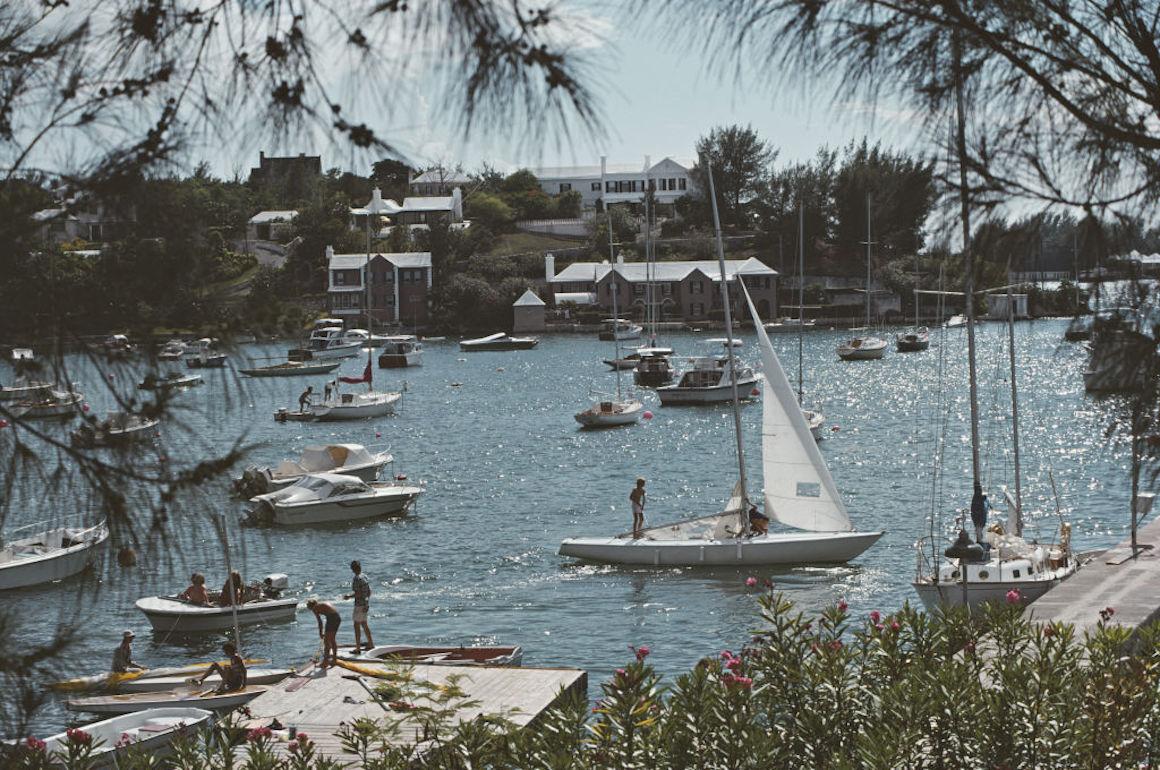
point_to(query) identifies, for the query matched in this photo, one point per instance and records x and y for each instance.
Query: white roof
(635, 272)
(576, 297)
(611, 169)
(400, 259)
(1144, 259)
(262, 217)
(440, 203)
(437, 176)
(528, 299)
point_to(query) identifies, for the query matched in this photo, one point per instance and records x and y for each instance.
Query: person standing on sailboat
(636, 497)
(979, 508)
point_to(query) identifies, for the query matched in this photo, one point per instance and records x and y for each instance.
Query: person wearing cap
(123, 656)
(360, 589)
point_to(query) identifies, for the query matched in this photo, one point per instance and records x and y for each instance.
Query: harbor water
(508, 474)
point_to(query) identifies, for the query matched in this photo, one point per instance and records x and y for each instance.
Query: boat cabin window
(313, 483)
(984, 574)
(1016, 573)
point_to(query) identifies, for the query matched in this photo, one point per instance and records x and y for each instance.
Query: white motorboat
(619, 329)
(117, 429)
(149, 732)
(171, 351)
(653, 369)
(170, 381)
(49, 555)
(331, 498)
(799, 493)
(957, 322)
(178, 682)
(169, 614)
(497, 341)
(117, 346)
(401, 350)
(327, 342)
(347, 459)
(790, 326)
(708, 381)
(444, 656)
(363, 337)
(356, 406)
(56, 405)
(140, 701)
(862, 349)
(25, 390)
(205, 355)
(912, 340)
(611, 413)
(20, 356)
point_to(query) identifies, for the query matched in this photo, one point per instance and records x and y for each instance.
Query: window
(596, 187)
(1016, 573)
(682, 181)
(697, 309)
(697, 287)
(652, 184)
(565, 187)
(339, 278)
(610, 187)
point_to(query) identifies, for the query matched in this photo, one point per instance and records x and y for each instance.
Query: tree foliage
(740, 161)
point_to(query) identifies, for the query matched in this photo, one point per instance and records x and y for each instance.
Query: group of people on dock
(329, 619)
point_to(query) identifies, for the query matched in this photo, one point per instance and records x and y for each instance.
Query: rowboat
(147, 732)
(117, 429)
(113, 680)
(172, 615)
(50, 555)
(171, 380)
(498, 341)
(57, 404)
(292, 369)
(165, 683)
(443, 656)
(140, 701)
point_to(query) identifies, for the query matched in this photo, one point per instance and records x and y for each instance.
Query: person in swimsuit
(360, 589)
(636, 497)
(304, 399)
(233, 674)
(329, 632)
(232, 590)
(123, 656)
(195, 593)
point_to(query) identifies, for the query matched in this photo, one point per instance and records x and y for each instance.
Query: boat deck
(317, 702)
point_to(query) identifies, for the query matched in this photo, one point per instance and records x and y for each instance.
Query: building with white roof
(528, 313)
(414, 212)
(689, 290)
(622, 183)
(398, 286)
(437, 182)
(271, 225)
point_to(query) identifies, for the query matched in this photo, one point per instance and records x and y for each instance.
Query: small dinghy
(50, 555)
(347, 459)
(444, 656)
(332, 498)
(610, 413)
(117, 429)
(149, 732)
(169, 614)
(498, 341)
(56, 405)
(169, 381)
(285, 415)
(25, 390)
(292, 369)
(254, 676)
(201, 699)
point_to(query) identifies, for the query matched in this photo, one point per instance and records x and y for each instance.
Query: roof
(1144, 259)
(635, 272)
(400, 259)
(611, 169)
(439, 203)
(576, 297)
(441, 176)
(529, 299)
(262, 217)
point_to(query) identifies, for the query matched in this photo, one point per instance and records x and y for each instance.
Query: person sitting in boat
(328, 633)
(233, 673)
(232, 591)
(195, 593)
(758, 522)
(123, 656)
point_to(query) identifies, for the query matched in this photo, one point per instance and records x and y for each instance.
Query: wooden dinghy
(203, 699)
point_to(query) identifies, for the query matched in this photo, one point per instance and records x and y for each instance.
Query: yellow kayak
(110, 681)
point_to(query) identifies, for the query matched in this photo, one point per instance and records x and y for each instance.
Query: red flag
(366, 375)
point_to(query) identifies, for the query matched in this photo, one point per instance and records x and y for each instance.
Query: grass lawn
(521, 243)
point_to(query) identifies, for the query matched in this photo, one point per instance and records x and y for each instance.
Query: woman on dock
(329, 633)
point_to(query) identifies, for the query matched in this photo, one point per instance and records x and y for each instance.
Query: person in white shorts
(360, 591)
(636, 497)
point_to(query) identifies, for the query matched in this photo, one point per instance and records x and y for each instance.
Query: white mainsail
(799, 491)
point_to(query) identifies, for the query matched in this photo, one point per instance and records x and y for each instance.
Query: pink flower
(743, 682)
(875, 617)
(258, 734)
(767, 583)
(751, 582)
(34, 744)
(620, 673)
(836, 645)
(125, 740)
(894, 626)
(1049, 631)
(78, 736)
(733, 664)
(842, 606)
(970, 648)
(879, 627)
(642, 652)
(1013, 596)
(726, 655)
(303, 738)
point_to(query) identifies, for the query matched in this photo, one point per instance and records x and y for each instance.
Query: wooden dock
(317, 702)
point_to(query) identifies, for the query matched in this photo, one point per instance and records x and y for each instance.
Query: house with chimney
(397, 286)
(415, 212)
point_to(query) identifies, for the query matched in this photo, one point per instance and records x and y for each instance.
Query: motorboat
(171, 351)
(117, 429)
(399, 351)
(799, 493)
(170, 381)
(619, 329)
(346, 459)
(708, 381)
(332, 498)
(141, 733)
(117, 346)
(129, 703)
(790, 326)
(22, 356)
(24, 389)
(56, 405)
(356, 406)
(611, 412)
(497, 341)
(862, 349)
(912, 340)
(653, 369)
(1079, 330)
(170, 614)
(205, 355)
(292, 369)
(49, 555)
(443, 656)
(326, 342)
(622, 364)
(956, 321)
(177, 682)
(363, 337)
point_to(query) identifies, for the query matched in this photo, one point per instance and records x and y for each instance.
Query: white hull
(408, 654)
(934, 595)
(393, 501)
(62, 405)
(149, 732)
(624, 413)
(400, 360)
(24, 392)
(166, 683)
(367, 473)
(33, 561)
(383, 404)
(127, 704)
(675, 394)
(774, 548)
(866, 349)
(174, 615)
(344, 350)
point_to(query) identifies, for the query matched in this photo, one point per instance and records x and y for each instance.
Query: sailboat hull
(774, 548)
(935, 595)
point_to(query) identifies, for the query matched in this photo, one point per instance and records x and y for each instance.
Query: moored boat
(50, 555)
(292, 369)
(331, 498)
(25, 390)
(148, 732)
(347, 459)
(254, 676)
(205, 355)
(56, 405)
(113, 680)
(913, 340)
(326, 342)
(132, 702)
(443, 656)
(862, 349)
(619, 329)
(611, 413)
(356, 406)
(497, 341)
(169, 614)
(708, 380)
(169, 381)
(653, 368)
(171, 351)
(399, 351)
(117, 429)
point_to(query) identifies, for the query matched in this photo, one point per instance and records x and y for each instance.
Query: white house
(437, 182)
(271, 225)
(623, 183)
(417, 213)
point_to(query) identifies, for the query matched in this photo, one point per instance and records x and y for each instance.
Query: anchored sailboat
(868, 346)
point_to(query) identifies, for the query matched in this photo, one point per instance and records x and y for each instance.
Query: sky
(656, 96)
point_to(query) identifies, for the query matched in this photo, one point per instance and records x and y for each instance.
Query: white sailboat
(918, 338)
(799, 493)
(357, 406)
(866, 347)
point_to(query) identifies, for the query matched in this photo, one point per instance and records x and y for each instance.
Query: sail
(736, 498)
(799, 491)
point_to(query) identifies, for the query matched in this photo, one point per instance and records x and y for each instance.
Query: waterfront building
(528, 313)
(399, 286)
(624, 183)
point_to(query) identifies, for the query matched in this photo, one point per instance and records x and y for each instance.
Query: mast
(968, 257)
(729, 348)
(367, 277)
(801, 294)
(650, 309)
(612, 265)
(869, 243)
(1014, 413)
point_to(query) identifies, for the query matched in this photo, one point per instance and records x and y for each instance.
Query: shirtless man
(233, 674)
(636, 497)
(328, 634)
(195, 593)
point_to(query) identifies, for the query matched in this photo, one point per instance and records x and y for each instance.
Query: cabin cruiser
(653, 368)
(498, 341)
(708, 381)
(912, 340)
(117, 429)
(363, 337)
(401, 350)
(332, 498)
(205, 355)
(327, 342)
(56, 404)
(347, 459)
(171, 351)
(51, 554)
(619, 329)
(117, 346)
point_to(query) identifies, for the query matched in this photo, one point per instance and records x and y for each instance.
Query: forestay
(799, 491)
